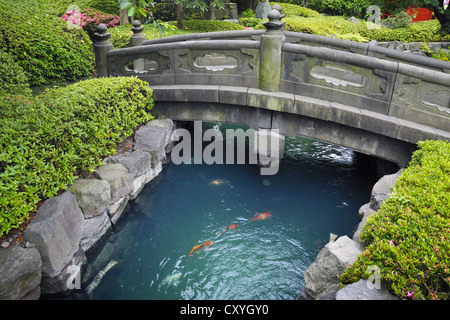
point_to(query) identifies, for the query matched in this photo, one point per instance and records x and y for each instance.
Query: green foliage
(357, 8)
(409, 237)
(46, 141)
(337, 26)
(249, 13)
(291, 10)
(399, 20)
(41, 43)
(12, 77)
(436, 54)
(120, 35)
(210, 25)
(250, 22)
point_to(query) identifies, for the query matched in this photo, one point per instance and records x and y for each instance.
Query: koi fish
(98, 278)
(202, 246)
(232, 226)
(216, 182)
(261, 216)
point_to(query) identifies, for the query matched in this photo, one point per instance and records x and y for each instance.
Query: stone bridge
(371, 99)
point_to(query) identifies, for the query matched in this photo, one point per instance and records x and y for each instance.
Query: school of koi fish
(209, 243)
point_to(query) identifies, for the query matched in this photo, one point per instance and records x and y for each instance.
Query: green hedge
(292, 10)
(357, 8)
(41, 43)
(210, 25)
(337, 26)
(409, 237)
(12, 77)
(46, 141)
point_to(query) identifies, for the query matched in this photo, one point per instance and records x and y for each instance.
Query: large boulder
(21, 273)
(93, 196)
(137, 162)
(362, 291)
(364, 212)
(322, 276)
(118, 178)
(154, 138)
(382, 190)
(56, 232)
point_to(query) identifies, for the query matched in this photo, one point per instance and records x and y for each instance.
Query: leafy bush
(41, 43)
(409, 237)
(46, 141)
(436, 54)
(210, 25)
(89, 19)
(249, 22)
(249, 13)
(292, 10)
(355, 8)
(424, 31)
(12, 77)
(399, 20)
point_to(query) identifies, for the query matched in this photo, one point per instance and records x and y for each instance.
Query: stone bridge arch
(371, 99)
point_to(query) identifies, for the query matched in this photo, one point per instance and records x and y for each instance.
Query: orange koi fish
(232, 226)
(216, 182)
(262, 216)
(202, 246)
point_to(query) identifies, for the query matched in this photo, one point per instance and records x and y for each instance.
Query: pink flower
(409, 294)
(391, 242)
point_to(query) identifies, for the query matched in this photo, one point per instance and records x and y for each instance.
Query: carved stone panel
(422, 102)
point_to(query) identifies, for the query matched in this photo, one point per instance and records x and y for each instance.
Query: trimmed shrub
(42, 44)
(409, 237)
(250, 22)
(355, 8)
(292, 10)
(46, 141)
(210, 25)
(12, 77)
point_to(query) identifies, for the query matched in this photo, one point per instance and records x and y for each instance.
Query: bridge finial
(275, 17)
(101, 47)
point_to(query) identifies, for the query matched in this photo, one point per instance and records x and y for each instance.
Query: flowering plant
(89, 19)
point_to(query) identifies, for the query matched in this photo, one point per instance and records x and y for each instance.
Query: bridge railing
(350, 74)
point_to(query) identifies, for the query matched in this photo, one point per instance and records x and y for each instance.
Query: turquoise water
(317, 191)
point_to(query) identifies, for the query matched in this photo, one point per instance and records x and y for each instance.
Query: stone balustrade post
(101, 47)
(136, 40)
(271, 47)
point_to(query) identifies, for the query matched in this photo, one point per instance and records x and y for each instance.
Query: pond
(317, 191)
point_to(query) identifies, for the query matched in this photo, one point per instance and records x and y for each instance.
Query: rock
(364, 212)
(353, 20)
(382, 190)
(137, 162)
(93, 229)
(262, 10)
(61, 282)
(56, 232)
(21, 273)
(321, 277)
(361, 291)
(93, 196)
(153, 138)
(116, 209)
(118, 178)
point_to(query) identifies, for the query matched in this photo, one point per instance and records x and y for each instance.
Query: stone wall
(68, 225)
(321, 277)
